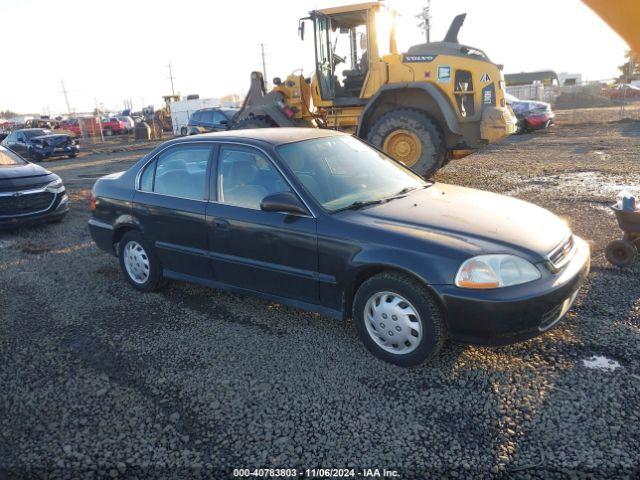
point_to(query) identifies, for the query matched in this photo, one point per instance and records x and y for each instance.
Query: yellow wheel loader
(435, 102)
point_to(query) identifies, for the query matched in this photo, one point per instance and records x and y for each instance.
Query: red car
(113, 126)
(72, 126)
(623, 90)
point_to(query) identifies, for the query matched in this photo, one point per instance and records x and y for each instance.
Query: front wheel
(183, 131)
(411, 137)
(108, 132)
(397, 319)
(138, 262)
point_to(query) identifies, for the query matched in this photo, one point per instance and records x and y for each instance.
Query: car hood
(54, 136)
(22, 171)
(485, 221)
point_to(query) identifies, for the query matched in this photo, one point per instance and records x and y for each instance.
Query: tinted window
(195, 117)
(341, 170)
(207, 116)
(182, 171)
(9, 159)
(245, 177)
(219, 118)
(146, 179)
(35, 133)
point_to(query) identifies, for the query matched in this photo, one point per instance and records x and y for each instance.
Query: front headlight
(495, 271)
(56, 186)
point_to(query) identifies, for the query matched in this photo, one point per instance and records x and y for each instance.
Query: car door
(170, 203)
(220, 122)
(270, 252)
(20, 145)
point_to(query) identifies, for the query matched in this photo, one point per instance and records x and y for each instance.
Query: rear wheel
(183, 131)
(139, 263)
(621, 253)
(397, 319)
(253, 122)
(411, 137)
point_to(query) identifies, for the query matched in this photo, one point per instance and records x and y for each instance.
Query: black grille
(562, 253)
(7, 187)
(25, 204)
(549, 318)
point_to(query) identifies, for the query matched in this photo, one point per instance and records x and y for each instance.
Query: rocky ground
(98, 380)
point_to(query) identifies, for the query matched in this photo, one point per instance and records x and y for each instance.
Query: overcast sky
(119, 49)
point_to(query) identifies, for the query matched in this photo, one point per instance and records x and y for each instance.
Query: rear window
(9, 159)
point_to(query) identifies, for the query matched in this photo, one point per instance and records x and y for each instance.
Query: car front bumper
(56, 151)
(56, 212)
(512, 314)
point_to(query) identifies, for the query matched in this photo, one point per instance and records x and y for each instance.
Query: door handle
(221, 223)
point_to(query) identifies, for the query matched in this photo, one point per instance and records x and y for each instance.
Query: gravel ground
(100, 381)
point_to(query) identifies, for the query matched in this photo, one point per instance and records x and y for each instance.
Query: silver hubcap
(136, 262)
(393, 323)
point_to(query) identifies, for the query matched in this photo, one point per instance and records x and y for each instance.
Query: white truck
(182, 110)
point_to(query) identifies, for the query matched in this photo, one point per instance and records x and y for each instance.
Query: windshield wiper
(360, 204)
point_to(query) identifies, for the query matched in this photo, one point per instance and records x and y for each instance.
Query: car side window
(146, 179)
(181, 172)
(207, 117)
(246, 176)
(218, 118)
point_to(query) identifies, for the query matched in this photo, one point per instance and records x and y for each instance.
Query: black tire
(183, 131)
(73, 155)
(621, 253)
(154, 280)
(107, 132)
(417, 294)
(253, 122)
(433, 151)
(37, 157)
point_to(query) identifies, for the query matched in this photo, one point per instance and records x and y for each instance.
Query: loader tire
(410, 137)
(253, 122)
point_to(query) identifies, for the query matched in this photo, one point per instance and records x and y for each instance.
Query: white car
(128, 121)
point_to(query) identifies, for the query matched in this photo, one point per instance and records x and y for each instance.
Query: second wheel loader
(435, 102)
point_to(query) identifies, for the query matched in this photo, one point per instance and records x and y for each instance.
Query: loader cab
(348, 40)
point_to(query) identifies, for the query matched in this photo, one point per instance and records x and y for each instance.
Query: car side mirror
(224, 122)
(283, 202)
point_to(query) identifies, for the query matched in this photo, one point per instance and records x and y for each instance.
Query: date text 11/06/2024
(315, 473)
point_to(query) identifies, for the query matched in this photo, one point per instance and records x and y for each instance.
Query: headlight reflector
(495, 271)
(56, 186)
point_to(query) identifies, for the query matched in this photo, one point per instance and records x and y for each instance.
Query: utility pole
(425, 16)
(66, 98)
(171, 77)
(264, 64)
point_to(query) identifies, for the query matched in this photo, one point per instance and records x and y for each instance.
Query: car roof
(31, 129)
(272, 136)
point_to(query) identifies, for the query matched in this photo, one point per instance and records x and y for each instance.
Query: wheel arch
(365, 272)
(123, 225)
(417, 95)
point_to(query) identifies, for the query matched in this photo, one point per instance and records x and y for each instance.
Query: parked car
(623, 91)
(319, 220)
(128, 121)
(113, 126)
(71, 125)
(209, 120)
(531, 115)
(38, 144)
(28, 192)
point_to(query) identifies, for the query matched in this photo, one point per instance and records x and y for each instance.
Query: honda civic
(321, 221)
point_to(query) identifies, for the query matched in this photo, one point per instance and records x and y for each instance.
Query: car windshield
(35, 133)
(9, 159)
(343, 172)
